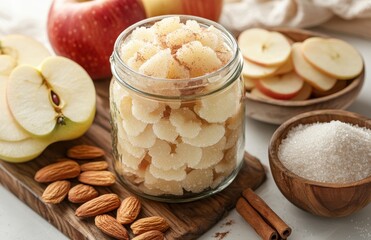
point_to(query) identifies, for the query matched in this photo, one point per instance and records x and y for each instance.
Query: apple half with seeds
(43, 99)
(52, 103)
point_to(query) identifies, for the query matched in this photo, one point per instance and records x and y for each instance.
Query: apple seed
(55, 98)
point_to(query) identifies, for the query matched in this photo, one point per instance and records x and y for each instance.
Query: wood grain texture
(277, 111)
(187, 220)
(323, 199)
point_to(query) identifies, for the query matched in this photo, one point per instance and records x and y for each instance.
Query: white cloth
(351, 16)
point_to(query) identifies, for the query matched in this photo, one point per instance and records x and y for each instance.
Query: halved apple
(20, 49)
(264, 47)
(9, 128)
(334, 57)
(281, 87)
(310, 74)
(58, 94)
(253, 70)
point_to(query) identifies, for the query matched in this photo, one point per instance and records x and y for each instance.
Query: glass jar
(177, 140)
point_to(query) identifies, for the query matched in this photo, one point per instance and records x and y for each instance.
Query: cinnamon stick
(267, 213)
(255, 220)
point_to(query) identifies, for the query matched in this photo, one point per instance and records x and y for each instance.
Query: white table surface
(18, 221)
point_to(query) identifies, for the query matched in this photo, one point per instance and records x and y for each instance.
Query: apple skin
(273, 94)
(285, 87)
(85, 31)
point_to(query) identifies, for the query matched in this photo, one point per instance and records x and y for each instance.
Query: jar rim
(115, 57)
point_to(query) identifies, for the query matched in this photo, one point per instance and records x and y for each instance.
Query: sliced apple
(7, 63)
(304, 93)
(42, 100)
(31, 147)
(334, 57)
(264, 47)
(23, 49)
(23, 150)
(311, 75)
(249, 83)
(336, 88)
(253, 70)
(9, 129)
(286, 67)
(257, 93)
(281, 87)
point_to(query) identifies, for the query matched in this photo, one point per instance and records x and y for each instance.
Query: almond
(97, 178)
(85, 152)
(94, 166)
(55, 192)
(149, 223)
(150, 235)
(82, 193)
(128, 210)
(111, 227)
(98, 205)
(58, 171)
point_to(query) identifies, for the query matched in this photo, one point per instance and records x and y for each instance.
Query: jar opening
(186, 88)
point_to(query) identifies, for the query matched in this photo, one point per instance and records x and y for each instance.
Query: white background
(17, 221)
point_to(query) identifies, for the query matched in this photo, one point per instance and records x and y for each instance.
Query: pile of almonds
(90, 174)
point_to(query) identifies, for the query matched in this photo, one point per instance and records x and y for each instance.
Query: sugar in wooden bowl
(321, 161)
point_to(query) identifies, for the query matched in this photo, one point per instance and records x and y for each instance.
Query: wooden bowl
(322, 199)
(278, 111)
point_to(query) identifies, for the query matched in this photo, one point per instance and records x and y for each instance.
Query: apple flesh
(85, 31)
(264, 47)
(282, 87)
(339, 85)
(9, 129)
(253, 70)
(304, 93)
(19, 49)
(42, 99)
(257, 93)
(31, 147)
(311, 75)
(334, 57)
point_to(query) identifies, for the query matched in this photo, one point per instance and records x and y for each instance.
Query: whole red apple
(85, 30)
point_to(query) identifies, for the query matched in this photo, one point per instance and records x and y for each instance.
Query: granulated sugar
(334, 152)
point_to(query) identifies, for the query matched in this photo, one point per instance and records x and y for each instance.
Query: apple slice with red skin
(257, 93)
(282, 87)
(85, 31)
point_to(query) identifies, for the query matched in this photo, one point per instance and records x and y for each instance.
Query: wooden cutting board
(187, 220)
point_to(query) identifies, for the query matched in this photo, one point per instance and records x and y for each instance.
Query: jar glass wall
(177, 140)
